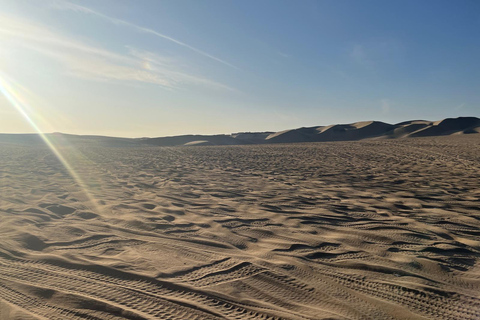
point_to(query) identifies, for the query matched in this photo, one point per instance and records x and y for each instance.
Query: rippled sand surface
(386, 229)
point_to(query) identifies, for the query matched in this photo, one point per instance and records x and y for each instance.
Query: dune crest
(338, 132)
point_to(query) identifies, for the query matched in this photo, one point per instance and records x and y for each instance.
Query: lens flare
(12, 92)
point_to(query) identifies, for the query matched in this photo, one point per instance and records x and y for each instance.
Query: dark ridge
(339, 132)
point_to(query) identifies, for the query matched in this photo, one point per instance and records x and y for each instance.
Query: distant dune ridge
(338, 132)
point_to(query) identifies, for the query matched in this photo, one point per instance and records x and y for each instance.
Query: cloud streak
(377, 53)
(95, 63)
(385, 105)
(77, 8)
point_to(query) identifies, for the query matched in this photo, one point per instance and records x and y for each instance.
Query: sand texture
(380, 229)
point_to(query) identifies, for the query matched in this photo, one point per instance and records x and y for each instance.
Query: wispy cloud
(159, 64)
(77, 8)
(385, 105)
(375, 53)
(359, 55)
(92, 62)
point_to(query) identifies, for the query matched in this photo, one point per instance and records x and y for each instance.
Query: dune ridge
(339, 132)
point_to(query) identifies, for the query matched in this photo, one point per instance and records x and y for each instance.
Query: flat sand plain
(385, 229)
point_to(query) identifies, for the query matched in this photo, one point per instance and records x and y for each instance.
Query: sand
(385, 229)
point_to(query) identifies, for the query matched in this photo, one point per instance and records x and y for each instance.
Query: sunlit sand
(239, 160)
(375, 229)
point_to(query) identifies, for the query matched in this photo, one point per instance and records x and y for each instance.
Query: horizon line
(222, 134)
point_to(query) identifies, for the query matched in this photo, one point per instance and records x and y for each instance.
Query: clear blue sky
(156, 68)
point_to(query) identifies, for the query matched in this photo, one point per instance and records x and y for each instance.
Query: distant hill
(338, 132)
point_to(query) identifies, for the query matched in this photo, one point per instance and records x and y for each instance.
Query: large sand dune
(377, 229)
(339, 132)
(365, 130)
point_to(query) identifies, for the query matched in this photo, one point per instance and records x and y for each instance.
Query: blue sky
(156, 68)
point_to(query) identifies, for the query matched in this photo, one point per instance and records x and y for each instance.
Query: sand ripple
(344, 230)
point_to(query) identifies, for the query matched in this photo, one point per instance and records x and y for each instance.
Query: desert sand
(373, 229)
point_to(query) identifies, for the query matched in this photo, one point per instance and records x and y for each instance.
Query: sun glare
(13, 92)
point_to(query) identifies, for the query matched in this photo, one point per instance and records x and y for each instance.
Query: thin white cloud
(95, 63)
(377, 53)
(385, 105)
(156, 63)
(77, 8)
(358, 54)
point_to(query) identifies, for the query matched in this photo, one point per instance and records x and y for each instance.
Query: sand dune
(338, 132)
(182, 140)
(448, 126)
(377, 130)
(374, 229)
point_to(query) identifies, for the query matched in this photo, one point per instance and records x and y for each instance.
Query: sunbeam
(12, 92)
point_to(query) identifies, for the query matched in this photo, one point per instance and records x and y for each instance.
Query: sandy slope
(384, 229)
(365, 130)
